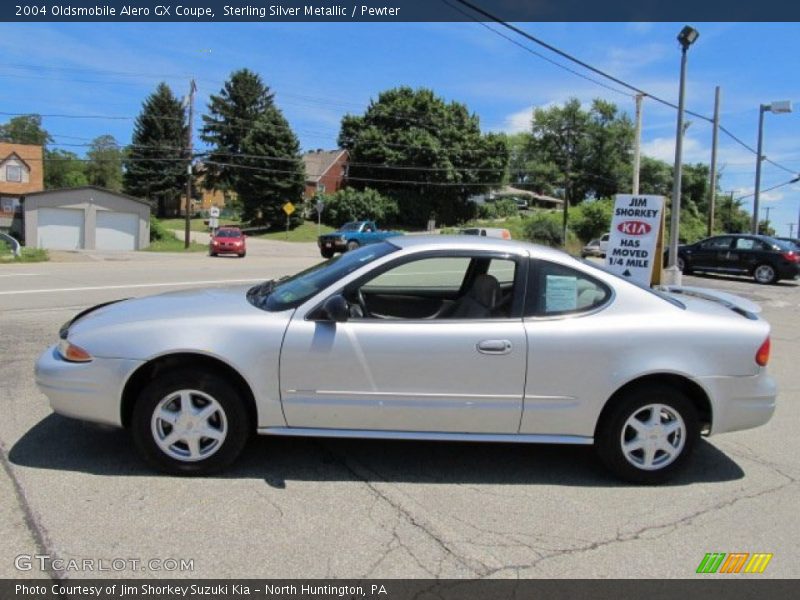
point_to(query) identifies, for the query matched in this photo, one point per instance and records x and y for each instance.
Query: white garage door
(116, 230)
(60, 228)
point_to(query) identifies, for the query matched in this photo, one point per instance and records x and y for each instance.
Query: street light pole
(780, 107)
(672, 274)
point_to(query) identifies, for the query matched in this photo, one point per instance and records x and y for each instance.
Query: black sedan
(763, 258)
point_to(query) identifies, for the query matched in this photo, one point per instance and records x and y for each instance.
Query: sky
(321, 71)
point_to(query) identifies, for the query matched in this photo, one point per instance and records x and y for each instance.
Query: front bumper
(332, 244)
(740, 402)
(89, 391)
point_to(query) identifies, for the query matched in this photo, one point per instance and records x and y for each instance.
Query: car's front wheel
(648, 434)
(352, 245)
(190, 422)
(765, 274)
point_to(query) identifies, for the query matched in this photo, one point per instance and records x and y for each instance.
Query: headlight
(72, 353)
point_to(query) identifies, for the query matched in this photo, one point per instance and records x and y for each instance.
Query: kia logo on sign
(634, 227)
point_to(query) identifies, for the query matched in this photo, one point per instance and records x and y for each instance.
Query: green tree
(63, 169)
(254, 151)
(585, 152)
(435, 154)
(104, 166)
(263, 188)
(351, 204)
(25, 129)
(155, 166)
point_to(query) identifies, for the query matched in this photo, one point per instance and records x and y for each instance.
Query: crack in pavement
(639, 533)
(408, 517)
(32, 522)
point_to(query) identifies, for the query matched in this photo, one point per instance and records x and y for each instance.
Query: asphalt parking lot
(335, 508)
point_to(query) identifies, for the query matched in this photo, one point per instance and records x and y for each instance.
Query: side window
(558, 290)
(427, 273)
(502, 270)
(747, 244)
(720, 243)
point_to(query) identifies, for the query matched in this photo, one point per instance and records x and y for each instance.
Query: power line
(598, 71)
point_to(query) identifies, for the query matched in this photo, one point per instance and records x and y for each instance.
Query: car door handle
(494, 347)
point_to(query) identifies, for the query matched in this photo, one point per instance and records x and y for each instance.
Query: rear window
(557, 290)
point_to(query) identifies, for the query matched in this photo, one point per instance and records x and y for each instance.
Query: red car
(228, 240)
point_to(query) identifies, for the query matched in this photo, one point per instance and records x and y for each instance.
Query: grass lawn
(307, 232)
(28, 255)
(174, 245)
(196, 224)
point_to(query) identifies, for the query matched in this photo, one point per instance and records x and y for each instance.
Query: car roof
(470, 242)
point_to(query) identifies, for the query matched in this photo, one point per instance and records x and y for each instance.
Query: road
(337, 508)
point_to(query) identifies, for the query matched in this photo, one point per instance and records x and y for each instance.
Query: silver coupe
(421, 337)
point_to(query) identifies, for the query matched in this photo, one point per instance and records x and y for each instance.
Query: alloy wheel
(189, 425)
(653, 437)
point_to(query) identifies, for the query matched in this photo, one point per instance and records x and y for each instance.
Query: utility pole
(715, 134)
(767, 209)
(565, 217)
(189, 155)
(637, 140)
(791, 229)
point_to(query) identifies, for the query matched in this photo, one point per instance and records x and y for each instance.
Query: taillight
(791, 256)
(762, 356)
(72, 353)
(506, 234)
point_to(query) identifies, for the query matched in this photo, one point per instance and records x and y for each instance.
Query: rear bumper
(740, 402)
(789, 271)
(332, 244)
(89, 391)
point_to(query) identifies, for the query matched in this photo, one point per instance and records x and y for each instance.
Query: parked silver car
(421, 337)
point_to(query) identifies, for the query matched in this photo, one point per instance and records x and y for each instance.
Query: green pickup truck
(351, 236)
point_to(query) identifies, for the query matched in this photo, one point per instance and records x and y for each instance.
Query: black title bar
(394, 10)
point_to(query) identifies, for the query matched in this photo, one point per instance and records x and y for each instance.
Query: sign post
(213, 218)
(633, 245)
(288, 208)
(320, 206)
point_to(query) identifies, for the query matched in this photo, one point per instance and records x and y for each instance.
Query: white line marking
(129, 286)
(20, 274)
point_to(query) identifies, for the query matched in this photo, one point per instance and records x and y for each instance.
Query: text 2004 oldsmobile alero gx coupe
(437, 338)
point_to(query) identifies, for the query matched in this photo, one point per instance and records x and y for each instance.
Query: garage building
(86, 218)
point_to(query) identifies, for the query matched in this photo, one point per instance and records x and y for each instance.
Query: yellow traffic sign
(288, 208)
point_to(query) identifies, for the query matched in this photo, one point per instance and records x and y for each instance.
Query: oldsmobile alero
(421, 337)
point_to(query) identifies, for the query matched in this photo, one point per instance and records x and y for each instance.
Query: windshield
(229, 233)
(290, 292)
(647, 288)
(350, 226)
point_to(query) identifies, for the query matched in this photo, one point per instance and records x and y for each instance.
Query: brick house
(21, 172)
(326, 171)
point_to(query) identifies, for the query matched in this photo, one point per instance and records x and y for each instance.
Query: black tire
(683, 266)
(352, 245)
(612, 428)
(326, 253)
(243, 254)
(212, 253)
(765, 274)
(228, 398)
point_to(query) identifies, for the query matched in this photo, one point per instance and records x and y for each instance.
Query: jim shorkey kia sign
(632, 243)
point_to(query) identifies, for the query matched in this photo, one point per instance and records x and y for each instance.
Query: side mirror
(336, 309)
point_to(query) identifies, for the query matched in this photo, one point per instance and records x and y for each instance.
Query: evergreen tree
(153, 167)
(248, 134)
(104, 166)
(264, 192)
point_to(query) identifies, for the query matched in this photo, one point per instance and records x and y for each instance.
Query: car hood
(209, 303)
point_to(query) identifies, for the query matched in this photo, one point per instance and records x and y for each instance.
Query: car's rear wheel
(765, 274)
(352, 245)
(212, 253)
(190, 422)
(243, 254)
(648, 434)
